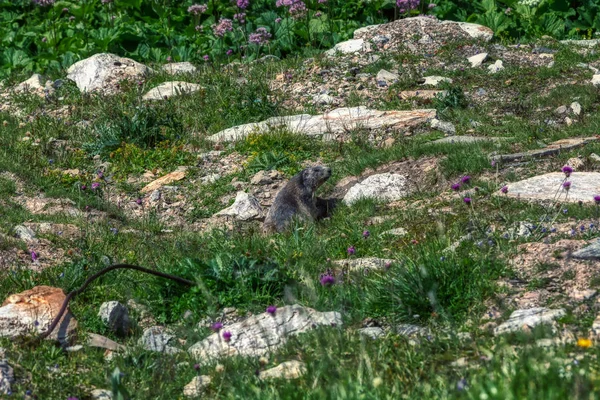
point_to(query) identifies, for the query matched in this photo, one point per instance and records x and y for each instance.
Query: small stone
(435, 80)
(245, 207)
(595, 158)
(101, 394)
(286, 370)
(373, 332)
(582, 295)
(446, 127)
(115, 316)
(568, 121)
(477, 59)
(365, 263)
(595, 80)
(576, 108)
(395, 232)
(561, 110)
(24, 233)
(155, 196)
(410, 330)
(496, 67)
(382, 187)
(197, 386)
(385, 78)
(576, 163)
(176, 175)
(323, 99)
(7, 377)
(528, 318)
(158, 338)
(389, 142)
(171, 89)
(179, 68)
(591, 252)
(261, 178)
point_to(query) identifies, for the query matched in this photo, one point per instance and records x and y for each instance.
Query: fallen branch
(75, 292)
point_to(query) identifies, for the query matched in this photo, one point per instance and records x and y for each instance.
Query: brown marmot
(297, 197)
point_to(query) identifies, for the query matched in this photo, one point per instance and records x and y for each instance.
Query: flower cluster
(407, 5)
(240, 17)
(260, 37)
(296, 8)
(225, 25)
(243, 4)
(44, 3)
(196, 9)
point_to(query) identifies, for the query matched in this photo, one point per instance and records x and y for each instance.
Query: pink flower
(504, 189)
(351, 250)
(227, 336)
(225, 25)
(467, 200)
(216, 326)
(327, 280)
(456, 187)
(366, 234)
(34, 255)
(567, 170)
(567, 185)
(206, 57)
(197, 8)
(271, 310)
(95, 185)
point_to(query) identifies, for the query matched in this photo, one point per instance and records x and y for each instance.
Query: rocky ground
(461, 259)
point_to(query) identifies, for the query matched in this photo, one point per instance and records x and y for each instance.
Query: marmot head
(314, 177)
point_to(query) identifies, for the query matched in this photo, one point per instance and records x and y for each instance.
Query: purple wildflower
(567, 170)
(169, 59)
(227, 336)
(467, 200)
(318, 14)
(240, 17)
(44, 39)
(196, 367)
(95, 185)
(465, 179)
(504, 189)
(83, 187)
(431, 5)
(206, 57)
(271, 310)
(44, 3)
(277, 20)
(138, 201)
(100, 174)
(322, 1)
(597, 199)
(493, 163)
(72, 398)
(327, 280)
(216, 326)
(197, 8)
(243, 4)
(71, 18)
(407, 5)
(387, 265)
(34, 255)
(229, 52)
(366, 234)
(260, 37)
(508, 11)
(456, 187)
(199, 28)
(225, 25)
(65, 10)
(567, 185)
(351, 250)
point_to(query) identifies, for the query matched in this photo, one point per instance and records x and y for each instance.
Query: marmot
(297, 197)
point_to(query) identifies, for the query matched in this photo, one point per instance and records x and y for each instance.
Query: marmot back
(297, 197)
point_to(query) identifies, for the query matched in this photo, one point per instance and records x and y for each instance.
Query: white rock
(596, 327)
(24, 233)
(476, 31)
(348, 47)
(576, 108)
(244, 208)
(381, 187)
(477, 59)
(101, 394)
(337, 122)
(285, 370)
(35, 83)
(496, 67)
(583, 42)
(446, 127)
(374, 332)
(596, 80)
(435, 80)
(530, 317)
(197, 386)
(210, 178)
(157, 338)
(323, 99)
(385, 77)
(179, 68)
(396, 232)
(102, 72)
(365, 263)
(263, 333)
(115, 316)
(170, 89)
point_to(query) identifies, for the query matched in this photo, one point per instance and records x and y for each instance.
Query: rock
(158, 338)
(338, 121)
(446, 127)
(395, 232)
(596, 327)
(374, 332)
(585, 185)
(410, 330)
(285, 370)
(24, 233)
(348, 47)
(568, 121)
(95, 340)
(101, 394)
(595, 80)
(365, 263)
(103, 72)
(179, 68)
(435, 80)
(464, 139)
(385, 78)
(529, 318)
(7, 377)
(154, 196)
(496, 67)
(552, 149)
(32, 311)
(591, 252)
(524, 230)
(262, 333)
(33, 84)
(210, 178)
(115, 316)
(382, 187)
(170, 89)
(576, 108)
(389, 142)
(197, 386)
(561, 110)
(582, 295)
(323, 99)
(595, 158)
(174, 176)
(477, 59)
(575, 162)
(261, 178)
(582, 42)
(245, 207)
(421, 94)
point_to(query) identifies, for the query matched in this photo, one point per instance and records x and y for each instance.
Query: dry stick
(96, 275)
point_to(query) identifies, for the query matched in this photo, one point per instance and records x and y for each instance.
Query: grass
(430, 285)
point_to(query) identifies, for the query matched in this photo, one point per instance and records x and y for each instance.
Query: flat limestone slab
(170, 89)
(591, 252)
(337, 121)
(552, 149)
(584, 186)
